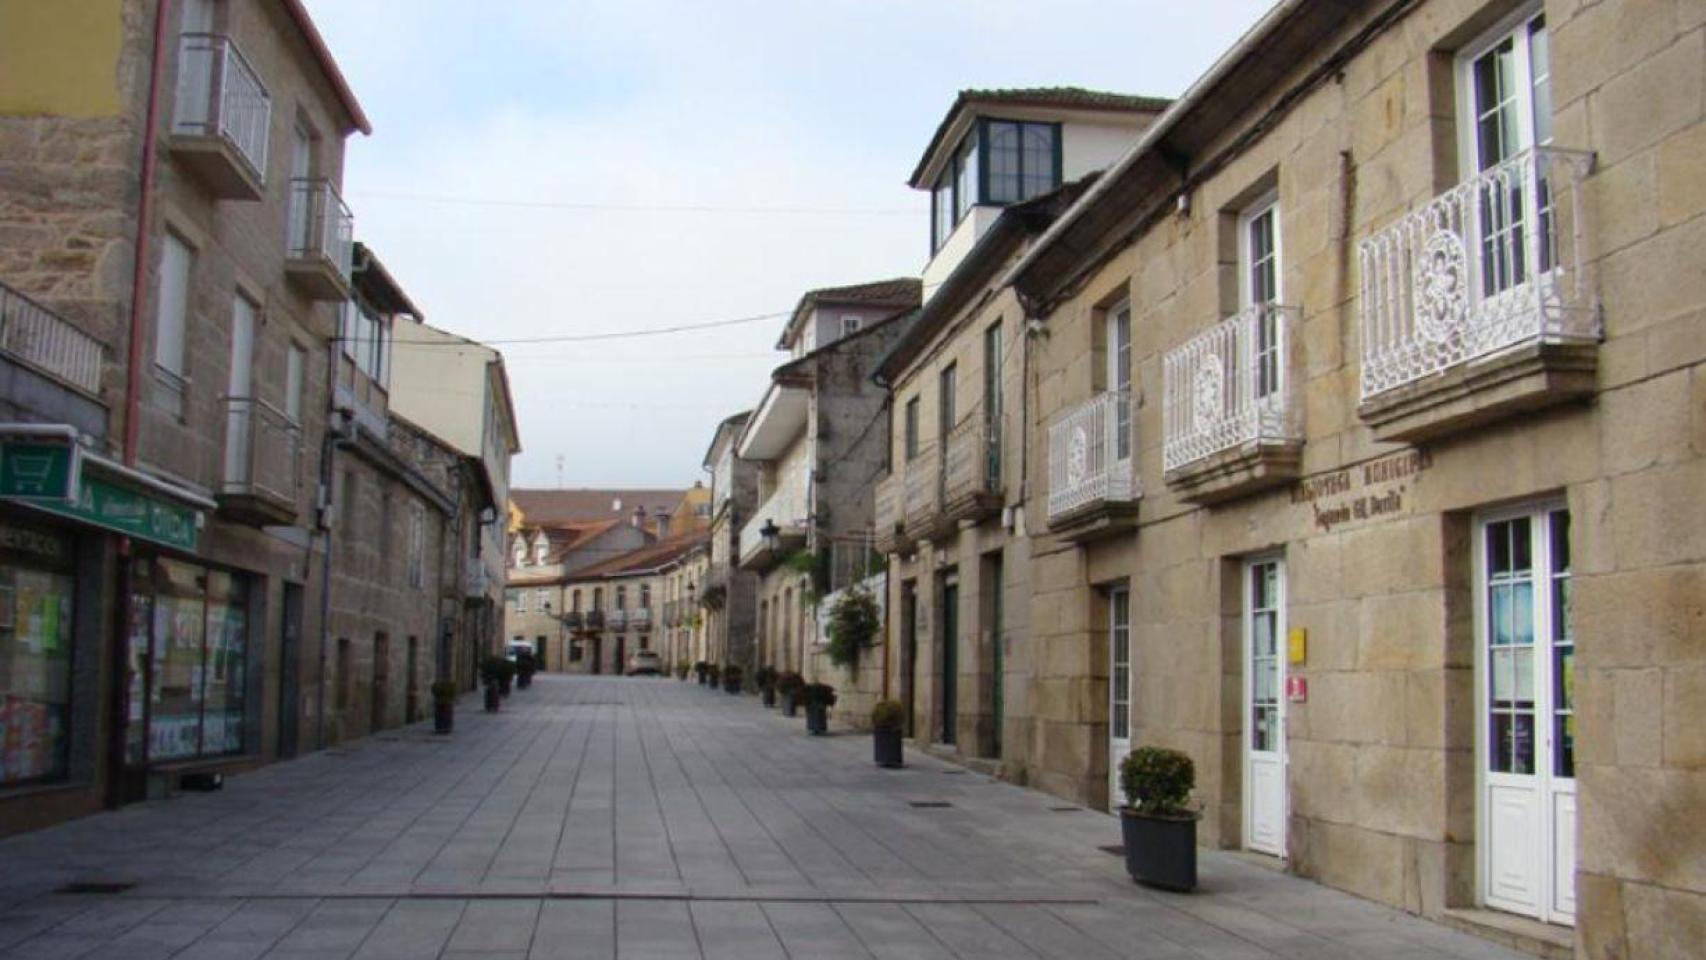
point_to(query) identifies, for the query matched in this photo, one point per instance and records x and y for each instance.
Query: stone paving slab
(609, 818)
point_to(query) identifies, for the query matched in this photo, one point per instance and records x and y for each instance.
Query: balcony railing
(39, 337)
(922, 488)
(616, 619)
(221, 98)
(787, 507)
(1490, 264)
(594, 619)
(573, 620)
(971, 481)
(263, 453)
(1090, 453)
(1229, 387)
(322, 237)
(887, 516)
(640, 618)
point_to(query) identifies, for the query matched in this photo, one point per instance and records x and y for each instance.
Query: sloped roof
(643, 560)
(328, 65)
(570, 537)
(556, 507)
(898, 292)
(1065, 98)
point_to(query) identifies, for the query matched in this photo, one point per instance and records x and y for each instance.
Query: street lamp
(772, 535)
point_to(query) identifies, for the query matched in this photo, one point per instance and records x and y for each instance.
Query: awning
(44, 466)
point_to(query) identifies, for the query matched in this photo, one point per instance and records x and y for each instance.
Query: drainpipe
(329, 443)
(145, 207)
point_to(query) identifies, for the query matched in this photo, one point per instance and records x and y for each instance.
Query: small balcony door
(1119, 378)
(1525, 694)
(1119, 688)
(1505, 100)
(1264, 707)
(239, 407)
(1259, 286)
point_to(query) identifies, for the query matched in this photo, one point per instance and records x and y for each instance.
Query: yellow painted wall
(60, 57)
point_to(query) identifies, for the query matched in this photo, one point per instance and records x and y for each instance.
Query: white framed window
(1259, 272)
(295, 373)
(172, 314)
(519, 553)
(543, 595)
(541, 548)
(851, 324)
(1119, 374)
(521, 601)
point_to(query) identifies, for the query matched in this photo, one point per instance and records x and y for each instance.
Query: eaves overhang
(780, 417)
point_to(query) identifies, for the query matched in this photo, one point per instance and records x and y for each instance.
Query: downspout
(328, 453)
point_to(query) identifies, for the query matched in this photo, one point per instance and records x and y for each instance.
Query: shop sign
(106, 504)
(32, 470)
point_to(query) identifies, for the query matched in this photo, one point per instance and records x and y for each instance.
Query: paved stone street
(602, 817)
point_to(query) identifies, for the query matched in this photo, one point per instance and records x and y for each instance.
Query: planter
(788, 706)
(769, 696)
(704, 681)
(1160, 851)
(443, 717)
(817, 719)
(731, 686)
(492, 696)
(886, 747)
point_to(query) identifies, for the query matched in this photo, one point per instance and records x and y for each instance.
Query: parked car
(645, 663)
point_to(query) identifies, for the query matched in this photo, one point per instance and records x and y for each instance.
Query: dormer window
(539, 550)
(998, 162)
(520, 553)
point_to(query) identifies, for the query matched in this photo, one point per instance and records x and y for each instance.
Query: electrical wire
(635, 207)
(590, 337)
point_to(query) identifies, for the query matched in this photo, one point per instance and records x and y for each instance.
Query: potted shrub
(491, 673)
(888, 718)
(1159, 831)
(443, 706)
(715, 673)
(817, 698)
(854, 622)
(788, 685)
(765, 677)
(682, 669)
(703, 669)
(525, 668)
(732, 676)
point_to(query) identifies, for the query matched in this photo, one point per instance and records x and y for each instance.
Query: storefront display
(189, 629)
(36, 593)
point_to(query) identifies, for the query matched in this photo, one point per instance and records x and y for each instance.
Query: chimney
(663, 524)
(640, 517)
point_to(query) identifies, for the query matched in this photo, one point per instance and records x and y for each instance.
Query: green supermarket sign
(130, 512)
(38, 471)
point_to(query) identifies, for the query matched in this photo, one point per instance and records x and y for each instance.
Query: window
(965, 179)
(544, 597)
(417, 546)
(521, 601)
(38, 585)
(945, 404)
(1119, 375)
(645, 595)
(576, 601)
(1259, 285)
(598, 598)
(621, 597)
(941, 213)
(172, 314)
(911, 427)
(541, 548)
(851, 324)
(519, 553)
(366, 338)
(1023, 158)
(992, 363)
(295, 370)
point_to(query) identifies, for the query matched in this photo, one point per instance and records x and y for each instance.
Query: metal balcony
(971, 470)
(322, 240)
(594, 621)
(1093, 485)
(1229, 414)
(263, 463)
(40, 338)
(573, 620)
(616, 619)
(640, 618)
(1492, 269)
(221, 118)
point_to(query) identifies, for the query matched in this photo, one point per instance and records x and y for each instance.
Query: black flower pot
(704, 681)
(817, 719)
(770, 696)
(788, 706)
(443, 716)
(731, 686)
(886, 745)
(1160, 851)
(492, 696)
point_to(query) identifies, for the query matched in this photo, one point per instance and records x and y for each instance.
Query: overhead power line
(594, 206)
(611, 335)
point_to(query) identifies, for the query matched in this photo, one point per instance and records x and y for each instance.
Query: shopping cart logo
(37, 470)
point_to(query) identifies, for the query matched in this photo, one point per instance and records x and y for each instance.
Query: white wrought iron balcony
(263, 451)
(1229, 389)
(1091, 453)
(971, 470)
(1492, 264)
(221, 116)
(322, 239)
(886, 514)
(42, 339)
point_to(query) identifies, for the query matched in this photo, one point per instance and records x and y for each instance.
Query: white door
(1525, 669)
(1119, 688)
(240, 392)
(1264, 706)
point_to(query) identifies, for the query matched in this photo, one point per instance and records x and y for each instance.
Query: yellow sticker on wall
(1297, 644)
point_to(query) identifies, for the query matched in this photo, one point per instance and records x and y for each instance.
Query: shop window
(36, 589)
(188, 676)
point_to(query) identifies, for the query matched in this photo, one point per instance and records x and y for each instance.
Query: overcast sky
(564, 167)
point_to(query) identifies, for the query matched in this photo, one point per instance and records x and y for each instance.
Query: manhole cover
(929, 804)
(95, 886)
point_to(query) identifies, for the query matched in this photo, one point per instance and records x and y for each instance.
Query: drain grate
(1115, 850)
(929, 804)
(95, 886)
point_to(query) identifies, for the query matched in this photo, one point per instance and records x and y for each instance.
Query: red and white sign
(1297, 689)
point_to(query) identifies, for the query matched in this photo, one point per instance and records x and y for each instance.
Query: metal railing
(44, 340)
(923, 489)
(1089, 461)
(220, 95)
(572, 619)
(616, 619)
(263, 450)
(1492, 263)
(594, 619)
(321, 226)
(640, 618)
(972, 466)
(1229, 386)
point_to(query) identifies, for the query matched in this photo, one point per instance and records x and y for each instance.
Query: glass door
(1264, 713)
(1119, 688)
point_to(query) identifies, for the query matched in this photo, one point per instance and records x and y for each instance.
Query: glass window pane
(1003, 159)
(1540, 67)
(1038, 160)
(35, 672)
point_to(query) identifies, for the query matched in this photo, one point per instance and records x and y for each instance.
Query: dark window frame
(977, 140)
